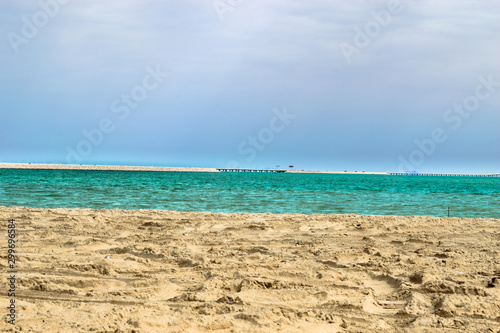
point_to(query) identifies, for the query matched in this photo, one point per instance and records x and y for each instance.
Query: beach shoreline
(166, 271)
(34, 166)
(37, 166)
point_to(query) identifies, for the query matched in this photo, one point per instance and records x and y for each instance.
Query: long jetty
(441, 174)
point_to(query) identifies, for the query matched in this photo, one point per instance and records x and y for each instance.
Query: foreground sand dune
(158, 271)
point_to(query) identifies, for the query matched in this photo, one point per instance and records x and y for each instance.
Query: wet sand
(157, 271)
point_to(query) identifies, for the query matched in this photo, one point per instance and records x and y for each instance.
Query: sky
(362, 85)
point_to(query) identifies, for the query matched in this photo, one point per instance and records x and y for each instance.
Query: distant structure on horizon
(442, 174)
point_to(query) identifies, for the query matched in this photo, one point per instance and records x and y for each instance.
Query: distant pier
(253, 170)
(440, 174)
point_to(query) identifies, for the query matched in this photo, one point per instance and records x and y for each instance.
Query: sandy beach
(159, 271)
(83, 167)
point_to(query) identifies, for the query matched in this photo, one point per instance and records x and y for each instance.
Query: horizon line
(114, 167)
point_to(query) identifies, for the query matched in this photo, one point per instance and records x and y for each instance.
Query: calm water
(253, 193)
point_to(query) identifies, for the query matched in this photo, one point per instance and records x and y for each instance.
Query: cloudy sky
(324, 84)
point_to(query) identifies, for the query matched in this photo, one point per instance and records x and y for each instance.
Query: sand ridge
(83, 270)
(83, 167)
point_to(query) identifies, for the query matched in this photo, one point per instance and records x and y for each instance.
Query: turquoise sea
(253, 193)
